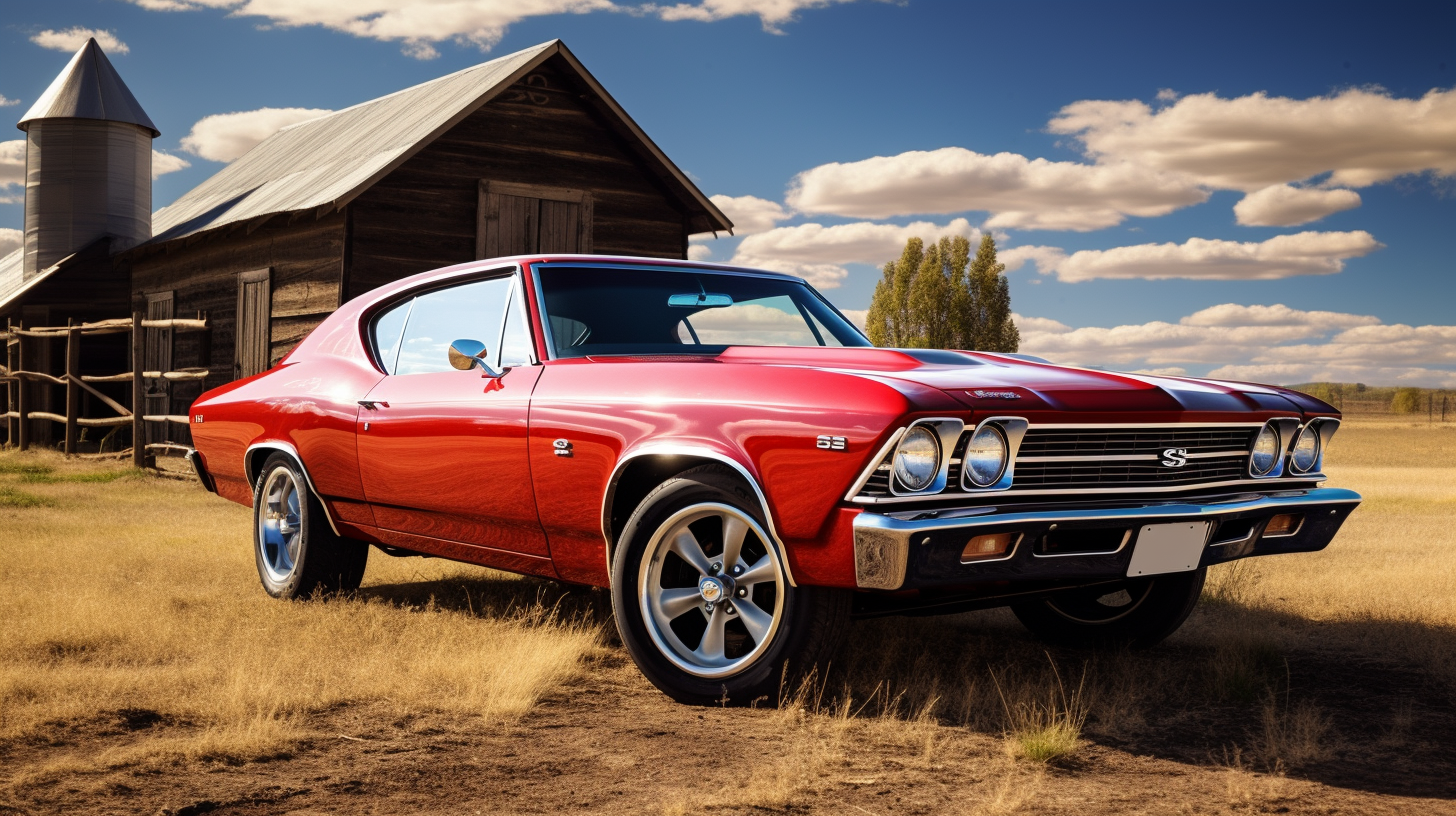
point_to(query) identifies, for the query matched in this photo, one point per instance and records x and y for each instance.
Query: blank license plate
(1164, 548)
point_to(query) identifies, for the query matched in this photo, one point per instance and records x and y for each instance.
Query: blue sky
(745, 98)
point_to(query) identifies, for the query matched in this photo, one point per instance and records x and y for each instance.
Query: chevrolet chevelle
(733, 459)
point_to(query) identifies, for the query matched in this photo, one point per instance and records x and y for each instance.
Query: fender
(285, 447)
(683, 449)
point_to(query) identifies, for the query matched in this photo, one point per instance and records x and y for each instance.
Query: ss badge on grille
(831, 442)
(1175, 457)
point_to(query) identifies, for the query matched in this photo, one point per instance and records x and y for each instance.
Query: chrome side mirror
(468, 354)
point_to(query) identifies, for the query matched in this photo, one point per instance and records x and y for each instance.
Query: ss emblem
(831, 442)
(1175, 457)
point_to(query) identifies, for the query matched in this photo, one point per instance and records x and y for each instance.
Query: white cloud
(699, 252)
(6, 101)
(1358, 136)
(72, 39)
(1017, 191)
(10, 240)
(164, 163)
(12, 164)
(1283, 256)
(856, 316)
(1272, 343)
(223, 137)
(749, 214)
(1281, 205)
(771, 13)
(418, 25)
(816, 252)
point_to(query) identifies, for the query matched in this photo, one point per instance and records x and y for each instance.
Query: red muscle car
(731, 456)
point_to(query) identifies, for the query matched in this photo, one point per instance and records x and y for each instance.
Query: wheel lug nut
(728, 607)
(708, 607)
(738, 569)
(743, 592)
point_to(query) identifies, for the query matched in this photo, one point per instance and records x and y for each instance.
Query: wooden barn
(521, 154)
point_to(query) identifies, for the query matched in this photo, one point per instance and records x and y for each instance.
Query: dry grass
(137, 602)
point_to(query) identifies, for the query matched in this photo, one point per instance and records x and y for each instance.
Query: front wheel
(702, 598)
(297, 552)
(1136, 613)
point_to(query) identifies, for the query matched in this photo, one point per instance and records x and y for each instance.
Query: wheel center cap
(711, 589)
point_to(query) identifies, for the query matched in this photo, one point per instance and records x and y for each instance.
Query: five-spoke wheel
(297, 551)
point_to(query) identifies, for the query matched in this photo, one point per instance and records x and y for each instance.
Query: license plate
(1164, 548)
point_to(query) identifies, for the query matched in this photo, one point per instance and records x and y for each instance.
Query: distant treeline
(1359, 398)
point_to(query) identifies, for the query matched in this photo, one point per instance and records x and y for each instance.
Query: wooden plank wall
(305, 259)
(540, 131)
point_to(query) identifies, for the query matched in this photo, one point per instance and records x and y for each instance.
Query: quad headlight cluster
(1283, 446)
(923, 454)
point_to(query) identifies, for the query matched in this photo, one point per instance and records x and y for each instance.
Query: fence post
(12, 398)
(73, 386)
(23, 396)
(138, 398)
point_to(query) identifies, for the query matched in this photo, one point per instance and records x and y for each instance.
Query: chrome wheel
(711, 587)
(280, 525)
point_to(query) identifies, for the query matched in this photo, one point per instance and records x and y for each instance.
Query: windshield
(614, 310)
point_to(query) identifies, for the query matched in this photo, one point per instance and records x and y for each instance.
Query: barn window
(524, 219)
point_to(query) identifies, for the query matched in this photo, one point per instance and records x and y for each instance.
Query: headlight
(1306, 450)
(917, 459)
(985, 457)
(1266, 452)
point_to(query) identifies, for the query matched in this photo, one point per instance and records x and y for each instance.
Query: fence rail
(18, 339)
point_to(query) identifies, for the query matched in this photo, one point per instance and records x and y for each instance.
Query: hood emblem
(995, 394)
(1175, 457)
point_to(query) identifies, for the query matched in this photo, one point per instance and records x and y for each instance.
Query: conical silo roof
(89, 88)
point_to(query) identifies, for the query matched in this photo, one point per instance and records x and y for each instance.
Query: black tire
(810, 621)
(1152, 609)
(318, 560)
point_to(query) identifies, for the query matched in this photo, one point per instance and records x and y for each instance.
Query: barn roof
(324, 163)
(89, 88)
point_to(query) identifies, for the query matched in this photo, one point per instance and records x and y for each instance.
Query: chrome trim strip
(1253, 529)
(686, 450)
(1131, 426)
(291, 451)
(875, 463)
(1126, 537)
(1264, 484)
(1135, 457)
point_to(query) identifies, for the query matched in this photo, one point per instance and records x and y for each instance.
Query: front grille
(1106, 458)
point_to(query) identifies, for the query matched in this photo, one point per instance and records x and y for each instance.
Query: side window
(473, 311)
(387, 331)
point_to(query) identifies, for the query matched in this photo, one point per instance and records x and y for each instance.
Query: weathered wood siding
(540, 131)
(305, 259)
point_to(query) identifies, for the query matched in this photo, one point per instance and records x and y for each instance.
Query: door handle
(373, 404)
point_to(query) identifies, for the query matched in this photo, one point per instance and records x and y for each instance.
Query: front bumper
(923, 549)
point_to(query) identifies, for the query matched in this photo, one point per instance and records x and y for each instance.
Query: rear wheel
(702, 597)
(296, 550)
(1138, 613)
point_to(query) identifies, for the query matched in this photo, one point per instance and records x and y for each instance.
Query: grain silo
(88, 163)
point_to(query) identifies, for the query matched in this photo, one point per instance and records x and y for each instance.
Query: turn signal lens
(1306, 450)
(1266, 452)
(1282, 525)
(983, 547)
(917, 460)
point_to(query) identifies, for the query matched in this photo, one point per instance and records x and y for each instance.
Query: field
(142, 670)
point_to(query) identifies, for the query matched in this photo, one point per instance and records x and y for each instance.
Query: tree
(1407, 401)
(938, 297)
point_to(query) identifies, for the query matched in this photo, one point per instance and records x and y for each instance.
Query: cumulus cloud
(12, 169)
(418, 25)
(164, 163)
(6, 101)
(1359, 137)
(699, 252)
(1283, 256)
(816, 252)
(749, 214)
(72, 39)
(223, 137)
(1281, 205)
(1017, 191)
(1273, 343)
(10, 240)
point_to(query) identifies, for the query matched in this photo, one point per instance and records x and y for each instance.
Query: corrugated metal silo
(88, 163)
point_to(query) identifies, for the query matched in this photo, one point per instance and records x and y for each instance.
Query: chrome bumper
(200, 469)
(918, 549)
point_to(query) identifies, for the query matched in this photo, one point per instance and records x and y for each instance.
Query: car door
(442, 452)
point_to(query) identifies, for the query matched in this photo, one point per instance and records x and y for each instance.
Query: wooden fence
(19, 345)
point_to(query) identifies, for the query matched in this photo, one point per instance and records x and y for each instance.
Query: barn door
(157, 356)
(254, 325)
(524, 219)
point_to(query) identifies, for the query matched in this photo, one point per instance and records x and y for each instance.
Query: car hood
(994, 381)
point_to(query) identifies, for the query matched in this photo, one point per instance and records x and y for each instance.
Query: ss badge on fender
(1175, 457)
